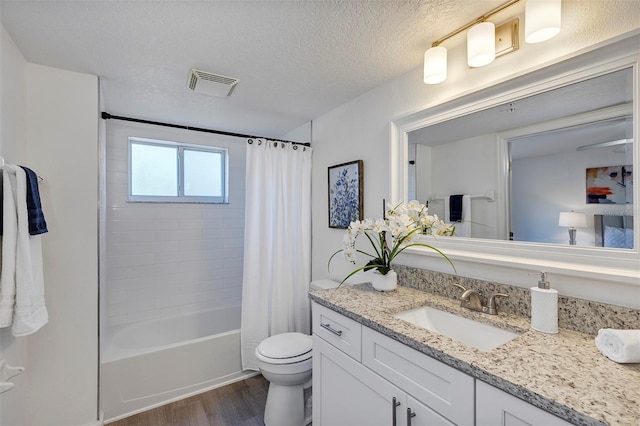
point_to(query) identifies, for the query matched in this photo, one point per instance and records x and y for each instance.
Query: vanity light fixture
(481, 44)
(542, 20)
(485, 41)
(435, 65)
(572, 220)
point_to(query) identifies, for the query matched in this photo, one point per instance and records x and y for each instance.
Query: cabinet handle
(409, 415)
(331, 329)
(394, 405)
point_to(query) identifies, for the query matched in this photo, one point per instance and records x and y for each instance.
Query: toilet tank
(323, 284)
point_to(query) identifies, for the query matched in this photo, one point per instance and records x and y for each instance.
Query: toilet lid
(285, 345)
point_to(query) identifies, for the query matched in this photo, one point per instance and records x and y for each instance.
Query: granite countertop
(564, 374)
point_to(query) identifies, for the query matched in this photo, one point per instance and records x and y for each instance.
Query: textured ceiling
(295, 59)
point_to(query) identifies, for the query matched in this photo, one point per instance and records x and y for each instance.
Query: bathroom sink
(472, 333)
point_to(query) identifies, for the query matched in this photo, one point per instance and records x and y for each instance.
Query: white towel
(621, 346)
(24, 283)
(463, 229)
(9, 241)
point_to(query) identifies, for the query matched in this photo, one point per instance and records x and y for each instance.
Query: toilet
(285, 361)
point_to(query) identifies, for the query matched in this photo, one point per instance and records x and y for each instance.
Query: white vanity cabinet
(348, 392)
(343, 392)
(364, 378)
(497, 408)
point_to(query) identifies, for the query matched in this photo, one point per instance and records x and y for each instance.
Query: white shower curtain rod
(107, 116)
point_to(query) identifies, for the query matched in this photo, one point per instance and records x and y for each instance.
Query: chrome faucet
(471, 299)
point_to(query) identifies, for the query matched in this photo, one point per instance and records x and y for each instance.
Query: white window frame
(180, 198)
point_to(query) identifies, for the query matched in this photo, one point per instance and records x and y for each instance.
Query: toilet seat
(285, 348)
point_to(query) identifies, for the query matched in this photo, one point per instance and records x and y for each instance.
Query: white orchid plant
(405, 223)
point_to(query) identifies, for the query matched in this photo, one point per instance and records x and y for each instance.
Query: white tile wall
(164, 259)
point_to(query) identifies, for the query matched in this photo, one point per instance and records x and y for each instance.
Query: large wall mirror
(536, 156)
(565, 150)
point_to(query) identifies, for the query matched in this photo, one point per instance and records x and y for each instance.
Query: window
(161, 171)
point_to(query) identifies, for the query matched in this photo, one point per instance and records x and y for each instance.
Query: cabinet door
(423, 415)
(442, 388)
(346, 393)
(495, 407)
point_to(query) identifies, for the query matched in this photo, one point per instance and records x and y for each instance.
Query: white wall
(13, 136)
(62, 146)
(53, 126)
(360, 129)
(559, 186)
(171, 258)
(473, 173)
(102, 228)
(13, 104)
(421, 175)
(415, 185)
(300, 134)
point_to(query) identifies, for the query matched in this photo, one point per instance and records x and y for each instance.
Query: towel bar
(490, 195)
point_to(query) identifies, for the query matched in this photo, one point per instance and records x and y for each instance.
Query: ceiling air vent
(211, 84)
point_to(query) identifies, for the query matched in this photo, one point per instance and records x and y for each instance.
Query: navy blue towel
(37, 224)
(455, 208)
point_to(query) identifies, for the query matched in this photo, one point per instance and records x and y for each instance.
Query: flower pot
(387, 282)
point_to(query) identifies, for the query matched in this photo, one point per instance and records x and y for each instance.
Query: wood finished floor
(238, 404)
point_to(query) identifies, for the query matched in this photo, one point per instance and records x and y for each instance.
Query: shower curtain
(277, 243)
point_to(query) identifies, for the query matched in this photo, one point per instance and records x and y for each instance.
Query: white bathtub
(151, 363)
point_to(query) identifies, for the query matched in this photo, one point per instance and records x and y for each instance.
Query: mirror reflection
(554, 168)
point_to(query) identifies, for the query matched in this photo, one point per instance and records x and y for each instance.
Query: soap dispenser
(544, 306)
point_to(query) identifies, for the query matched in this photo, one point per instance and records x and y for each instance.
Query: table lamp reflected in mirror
(572, 220)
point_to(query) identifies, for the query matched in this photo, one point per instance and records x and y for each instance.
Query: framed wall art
(610, 185)
(345, 194)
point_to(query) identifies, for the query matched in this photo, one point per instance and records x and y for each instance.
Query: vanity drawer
(342, 332)
(442, 388)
